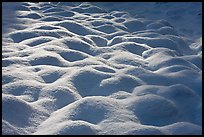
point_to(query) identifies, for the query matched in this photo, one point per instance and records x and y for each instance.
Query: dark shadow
(8, 15)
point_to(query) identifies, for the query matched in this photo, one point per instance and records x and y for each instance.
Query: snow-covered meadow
(102, 68)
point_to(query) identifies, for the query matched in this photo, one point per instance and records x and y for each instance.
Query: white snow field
(102, 68)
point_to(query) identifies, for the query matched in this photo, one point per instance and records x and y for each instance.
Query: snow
(89, 68)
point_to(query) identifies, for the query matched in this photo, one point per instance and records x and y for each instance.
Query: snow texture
(102, 68)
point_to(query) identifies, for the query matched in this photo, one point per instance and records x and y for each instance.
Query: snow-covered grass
(101, 68)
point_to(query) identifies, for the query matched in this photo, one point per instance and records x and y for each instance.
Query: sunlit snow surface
(98, 68)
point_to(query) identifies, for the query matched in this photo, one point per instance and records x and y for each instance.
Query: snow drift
(88, 68)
